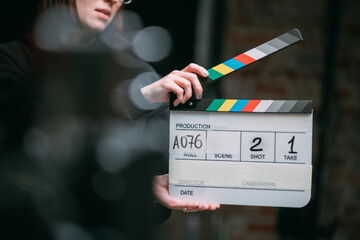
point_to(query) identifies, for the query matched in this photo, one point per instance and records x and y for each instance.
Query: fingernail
(206, 72)
(200, 96)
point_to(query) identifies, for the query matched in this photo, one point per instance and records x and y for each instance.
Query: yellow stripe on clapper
(223, 69)
(227, 105)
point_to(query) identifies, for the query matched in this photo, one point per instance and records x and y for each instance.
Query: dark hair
(67, 7)
(49, 4)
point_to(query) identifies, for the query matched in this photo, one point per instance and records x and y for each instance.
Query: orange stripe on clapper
(245, 59)
(252, 104)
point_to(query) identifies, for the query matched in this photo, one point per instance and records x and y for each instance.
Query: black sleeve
(128, 79)
(160, 213)
(131, 104)
(19, 216)
(18, 92)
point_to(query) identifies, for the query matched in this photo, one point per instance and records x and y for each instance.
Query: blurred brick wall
(295, 73)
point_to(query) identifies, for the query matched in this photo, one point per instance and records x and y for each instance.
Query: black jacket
(41, 95)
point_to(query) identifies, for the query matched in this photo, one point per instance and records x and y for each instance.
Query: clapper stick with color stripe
(252, 55)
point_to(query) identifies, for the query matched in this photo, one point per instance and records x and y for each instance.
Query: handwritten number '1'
(292, 145)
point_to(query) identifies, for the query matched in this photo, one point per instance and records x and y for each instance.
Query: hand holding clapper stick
(242, 60)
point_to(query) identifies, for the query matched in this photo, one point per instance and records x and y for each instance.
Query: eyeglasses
(125, 1)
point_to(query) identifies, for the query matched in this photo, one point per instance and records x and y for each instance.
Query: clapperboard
(242, 152)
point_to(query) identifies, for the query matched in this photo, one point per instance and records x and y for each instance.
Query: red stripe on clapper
(245, 59)
(252, 104)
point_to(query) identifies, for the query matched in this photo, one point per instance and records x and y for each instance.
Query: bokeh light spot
(152, 44)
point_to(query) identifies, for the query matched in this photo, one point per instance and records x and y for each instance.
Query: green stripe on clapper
(214, 74)
(215, 105)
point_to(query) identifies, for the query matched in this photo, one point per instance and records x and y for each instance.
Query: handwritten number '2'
(253, 148)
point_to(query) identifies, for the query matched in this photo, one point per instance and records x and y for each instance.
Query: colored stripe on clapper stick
(246, 106)
(258, 106)
(252, 55)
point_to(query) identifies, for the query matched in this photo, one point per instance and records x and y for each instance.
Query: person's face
(97, 14)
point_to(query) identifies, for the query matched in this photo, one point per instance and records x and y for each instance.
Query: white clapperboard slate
(241, 152)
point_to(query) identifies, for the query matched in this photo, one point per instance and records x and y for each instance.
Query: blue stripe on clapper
(239, 105)
(234, 64)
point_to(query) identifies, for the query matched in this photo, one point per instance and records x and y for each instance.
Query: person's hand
(179, 82)
(161, 193)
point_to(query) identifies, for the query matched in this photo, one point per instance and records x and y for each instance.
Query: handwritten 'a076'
(188, 141)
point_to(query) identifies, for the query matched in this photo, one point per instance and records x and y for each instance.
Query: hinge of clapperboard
(239, 62)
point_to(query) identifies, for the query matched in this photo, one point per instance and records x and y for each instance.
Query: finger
(201, 207)
(194, 82)
(189, 205)
(204, 206)
(176, 204)
(192, 210)
(194, 68)
(186, 85)
(176, 89)
(213, 206)
(176, 102)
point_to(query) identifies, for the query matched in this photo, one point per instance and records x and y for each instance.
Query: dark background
(323, 68)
